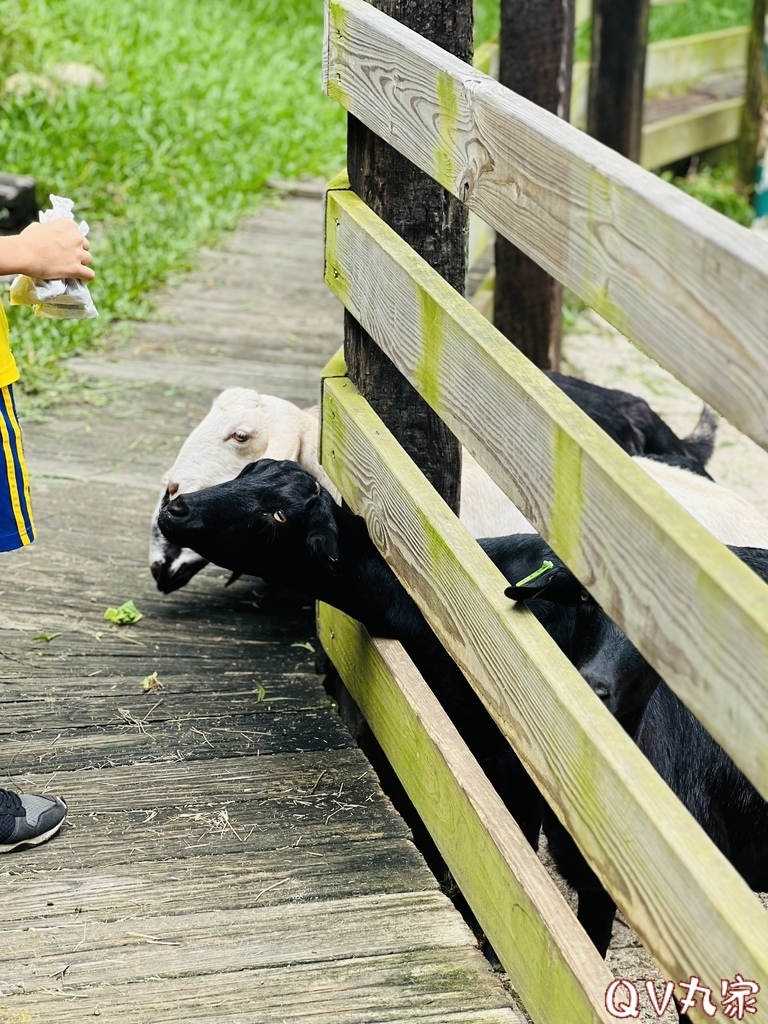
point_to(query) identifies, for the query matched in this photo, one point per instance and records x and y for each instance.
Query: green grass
(486, 20)
(203, 103)
(717, 187)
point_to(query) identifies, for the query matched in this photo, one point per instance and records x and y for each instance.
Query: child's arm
(51, 250)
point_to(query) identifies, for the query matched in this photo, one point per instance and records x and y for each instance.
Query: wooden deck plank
(393, 989)
(226, 735)
(219, 941)
(149, 889)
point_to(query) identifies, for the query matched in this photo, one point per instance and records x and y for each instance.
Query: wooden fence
(689, 288)
(694, 89)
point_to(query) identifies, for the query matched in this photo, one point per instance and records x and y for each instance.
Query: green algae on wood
(448, 110)
(428, 368)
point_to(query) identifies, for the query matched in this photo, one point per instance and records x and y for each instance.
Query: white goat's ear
(282, 448)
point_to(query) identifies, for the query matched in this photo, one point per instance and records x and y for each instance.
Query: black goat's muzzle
(177, 508)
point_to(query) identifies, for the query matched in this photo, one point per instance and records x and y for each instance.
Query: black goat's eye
(280, 516)
(584, 595)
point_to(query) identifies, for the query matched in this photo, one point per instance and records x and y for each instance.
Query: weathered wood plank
(241, 806)
(67, 747)
(220, 941)
(600, 511)
(244, 778)
(690, 286)
(429, 987)
(47, 714)
(685, 901)
(554, 967)
(160, 889)
(676, 137)
(673, 63)
(184, 676)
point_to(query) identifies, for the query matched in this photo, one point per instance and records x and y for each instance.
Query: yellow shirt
(8, 371)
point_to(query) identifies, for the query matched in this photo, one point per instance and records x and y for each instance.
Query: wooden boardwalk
(229, 857)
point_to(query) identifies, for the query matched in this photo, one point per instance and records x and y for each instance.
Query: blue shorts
(16, 528)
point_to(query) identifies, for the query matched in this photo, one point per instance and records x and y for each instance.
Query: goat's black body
(694, 766)
(323, 550)
(232, 525)
(633, 424)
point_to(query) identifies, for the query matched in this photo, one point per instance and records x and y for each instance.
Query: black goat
(694, 766)
(635, 427)
(275, 521)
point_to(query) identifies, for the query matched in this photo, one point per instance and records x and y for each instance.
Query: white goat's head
(242, 426)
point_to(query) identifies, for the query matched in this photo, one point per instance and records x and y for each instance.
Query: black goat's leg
(597, 910)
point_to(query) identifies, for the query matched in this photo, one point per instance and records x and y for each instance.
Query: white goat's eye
(241, 436)
(280, 516)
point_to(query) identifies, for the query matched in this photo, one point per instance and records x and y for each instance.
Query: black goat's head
(270, 521)
(603, 654)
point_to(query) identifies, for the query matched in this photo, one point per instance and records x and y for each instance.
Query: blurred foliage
(487, 19)
(716, 187)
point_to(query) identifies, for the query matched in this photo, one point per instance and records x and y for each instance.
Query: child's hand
(52, 250)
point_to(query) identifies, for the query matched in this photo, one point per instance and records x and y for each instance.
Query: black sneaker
(27, 819)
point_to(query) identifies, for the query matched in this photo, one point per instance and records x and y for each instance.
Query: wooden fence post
(535, 60)
(619, 40)
(754, 97)
(435, 224)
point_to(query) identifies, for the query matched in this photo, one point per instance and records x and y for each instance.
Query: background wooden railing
(687, 286)
(694, 89)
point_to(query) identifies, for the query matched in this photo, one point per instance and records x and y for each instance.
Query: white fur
(726, 515)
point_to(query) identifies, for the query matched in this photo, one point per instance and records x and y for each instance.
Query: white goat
(244, 426)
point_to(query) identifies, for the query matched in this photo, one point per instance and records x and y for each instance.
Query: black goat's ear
(322, 531)
(551, 581)
(251, 467)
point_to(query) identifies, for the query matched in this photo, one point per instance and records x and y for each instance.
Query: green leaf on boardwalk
(46, 637)
(125, 615)
(151, 684)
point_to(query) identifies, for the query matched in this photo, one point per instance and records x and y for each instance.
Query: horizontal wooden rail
(683, 282)
(673, 138)
(672, 63)
(683, 898)
(553, 966)
(659, 574)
